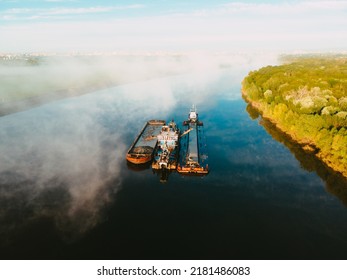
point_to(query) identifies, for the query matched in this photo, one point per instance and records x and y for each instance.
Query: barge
(142, 149)
(166, 152)
(193, 153)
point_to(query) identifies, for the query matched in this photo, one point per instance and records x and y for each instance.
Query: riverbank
(306, 144)
(306, 104)
(335, 183)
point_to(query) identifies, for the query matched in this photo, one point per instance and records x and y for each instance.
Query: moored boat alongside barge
(166, 152)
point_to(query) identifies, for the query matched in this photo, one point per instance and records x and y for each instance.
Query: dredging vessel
(142, 149)
(166, 151)
(193, 152)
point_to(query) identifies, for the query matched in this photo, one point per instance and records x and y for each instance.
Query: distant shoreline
(36, 101)
(31, 81)
(24, 104)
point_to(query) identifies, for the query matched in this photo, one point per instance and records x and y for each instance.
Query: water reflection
(335, 183)
(66, 191)
(253, 113)
(163, 175)
(65, 161)
(138, 167)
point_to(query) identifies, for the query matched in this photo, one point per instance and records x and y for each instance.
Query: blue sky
(161, 25)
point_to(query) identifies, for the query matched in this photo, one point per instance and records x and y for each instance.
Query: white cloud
(54, 11)
(284, 7)
(37, 13)
(277, 10)
(299, 25)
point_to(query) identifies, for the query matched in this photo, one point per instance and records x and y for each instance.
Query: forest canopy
(307, 99)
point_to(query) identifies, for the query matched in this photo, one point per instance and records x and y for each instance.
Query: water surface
(66, 191)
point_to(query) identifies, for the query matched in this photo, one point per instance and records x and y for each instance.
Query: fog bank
(66, 160)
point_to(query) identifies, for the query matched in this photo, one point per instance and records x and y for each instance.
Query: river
(66, 191)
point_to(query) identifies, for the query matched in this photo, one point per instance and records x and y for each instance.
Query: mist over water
(63, 170)
(74, 148)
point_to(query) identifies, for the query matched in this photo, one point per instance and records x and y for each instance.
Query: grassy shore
(307, 100)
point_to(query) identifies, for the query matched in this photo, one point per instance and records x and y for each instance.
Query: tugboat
(193, 154)
(166, 152)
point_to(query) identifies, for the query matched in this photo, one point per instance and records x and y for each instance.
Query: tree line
(307, 99)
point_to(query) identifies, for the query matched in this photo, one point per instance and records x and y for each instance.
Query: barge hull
(141, 150)
(193, 155)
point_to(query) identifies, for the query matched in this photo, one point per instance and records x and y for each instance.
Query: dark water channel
(66, 191)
